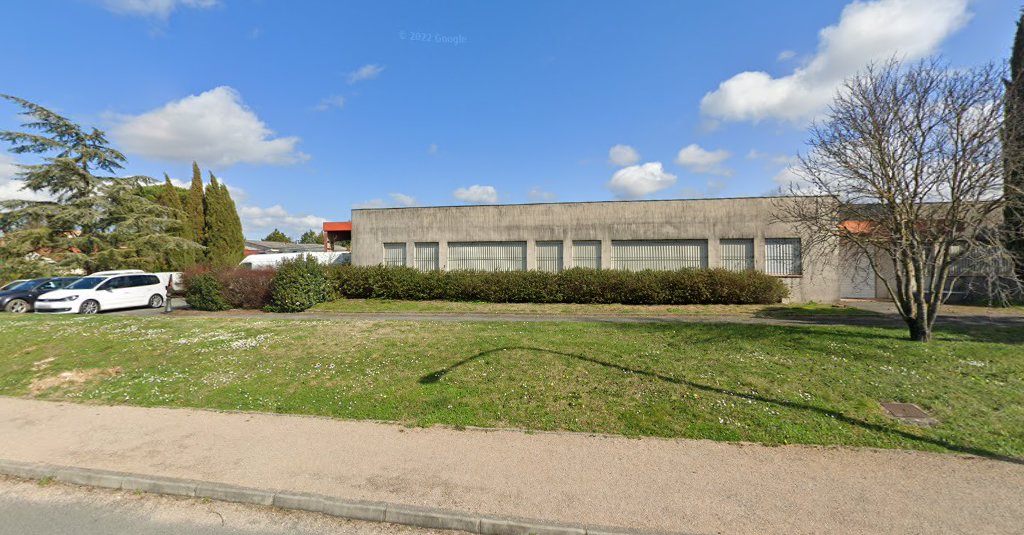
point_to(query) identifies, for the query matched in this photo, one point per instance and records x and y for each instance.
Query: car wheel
(18, 306)
(89, 307)
(156, 301)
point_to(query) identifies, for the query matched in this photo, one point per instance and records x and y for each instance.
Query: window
(637, 255)
(782, 256)
(487, 256)
(394, 254)
(426, 257)
(737, 255)
(586, 254)
(549, 256)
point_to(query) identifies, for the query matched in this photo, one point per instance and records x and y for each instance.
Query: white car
(95, 293)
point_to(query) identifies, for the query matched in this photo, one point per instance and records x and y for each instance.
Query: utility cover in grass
(909, 413)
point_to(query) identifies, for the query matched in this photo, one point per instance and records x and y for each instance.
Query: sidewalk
(665, 485)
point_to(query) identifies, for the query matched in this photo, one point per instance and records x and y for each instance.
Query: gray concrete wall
(707, 219)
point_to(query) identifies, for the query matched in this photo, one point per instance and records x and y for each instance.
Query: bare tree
(905, 169)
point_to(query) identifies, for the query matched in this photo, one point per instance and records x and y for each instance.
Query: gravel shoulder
(654, 484)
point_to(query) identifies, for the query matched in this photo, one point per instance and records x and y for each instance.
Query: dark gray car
(20, 298)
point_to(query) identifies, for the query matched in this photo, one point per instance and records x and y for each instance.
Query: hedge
(234, 287)
(578, 285)
(298, 285)
(204, 293)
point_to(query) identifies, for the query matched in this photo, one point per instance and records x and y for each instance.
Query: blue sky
(308, 109)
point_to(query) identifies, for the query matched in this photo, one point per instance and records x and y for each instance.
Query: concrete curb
(409, 515)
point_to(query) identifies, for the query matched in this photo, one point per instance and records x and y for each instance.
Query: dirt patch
(71, 378)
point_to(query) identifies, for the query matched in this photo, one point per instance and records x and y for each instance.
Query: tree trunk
(920, 329)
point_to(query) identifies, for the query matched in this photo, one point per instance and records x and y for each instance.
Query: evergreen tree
(311, 236)
(169, 197)
(225, 244)
(89, 221)
(195, 211)
(278, 236)
(1013, 152)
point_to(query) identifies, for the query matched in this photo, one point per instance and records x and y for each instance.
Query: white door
(115, 293)
(857, 278)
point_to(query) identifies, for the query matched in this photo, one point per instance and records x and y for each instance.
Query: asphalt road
(31, 508)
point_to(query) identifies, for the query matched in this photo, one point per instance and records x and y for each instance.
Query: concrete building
(672, 234)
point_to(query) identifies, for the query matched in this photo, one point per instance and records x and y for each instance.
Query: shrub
(298, 285)
(238, 287)
(246, 288)
(579, 285)
(204, 293)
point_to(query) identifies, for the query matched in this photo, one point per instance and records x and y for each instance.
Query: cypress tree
(195, 212)
(180, 259)
(236, 251)
(1013, 153)
(225, 244)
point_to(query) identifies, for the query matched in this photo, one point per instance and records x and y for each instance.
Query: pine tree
(278, 236)
(90, 221)
(312, 236)
(194, 207)
(1013, 152)
(225, 243)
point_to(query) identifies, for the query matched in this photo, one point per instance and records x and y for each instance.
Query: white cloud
(477, 194)
(366, 72)
(258, 221)
(402, 199)
(638, 181)
(866, 32)
(785, 55)
(11, 188)
(776, 159)
(160, 9)
(789, 177)
(213, 128)
(539, 195)
(397, 199)
(699, 160)
(432, 149)
(331, 102)
(623, 155)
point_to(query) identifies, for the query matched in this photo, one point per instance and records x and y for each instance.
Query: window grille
(487, 256)
(394, 254)
(637, 255)
(586, 254)
(782, 256)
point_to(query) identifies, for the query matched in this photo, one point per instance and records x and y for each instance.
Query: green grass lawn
(762, 383)
(383, 306)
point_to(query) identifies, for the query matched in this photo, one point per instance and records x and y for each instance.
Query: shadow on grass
(975, 328)
(440, 374)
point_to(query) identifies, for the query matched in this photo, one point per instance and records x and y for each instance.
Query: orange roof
(337, 226)
(854, 226)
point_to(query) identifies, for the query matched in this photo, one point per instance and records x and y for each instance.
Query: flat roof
(580, 202)
(337, 226)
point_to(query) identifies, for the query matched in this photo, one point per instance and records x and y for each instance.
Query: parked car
(93, 294)
(12, 284)
(19, 298)
(177, 279)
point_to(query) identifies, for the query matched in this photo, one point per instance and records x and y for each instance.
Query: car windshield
(24, 285)
(86, 283)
